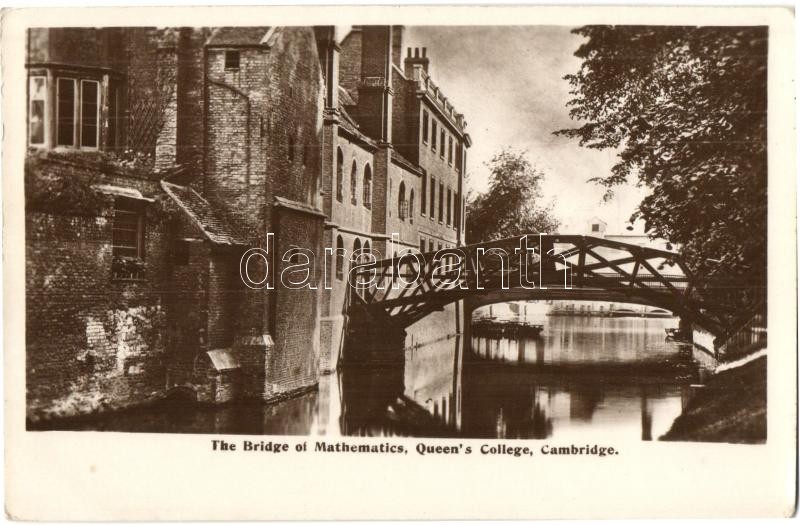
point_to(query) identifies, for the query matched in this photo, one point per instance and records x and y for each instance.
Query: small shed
(217, 375)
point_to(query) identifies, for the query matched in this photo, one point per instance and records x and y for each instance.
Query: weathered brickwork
(93, 341)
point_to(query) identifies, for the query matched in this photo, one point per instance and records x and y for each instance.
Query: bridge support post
(373, 342)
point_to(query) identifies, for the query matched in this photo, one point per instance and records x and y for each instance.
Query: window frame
(45, 120)
(339, 175)
(425, 135)
(237, 54)
(354, 183)
(122, 206)
(367, 187)
(75, 109)
(98, 113)
(339, 257)
(433, 199)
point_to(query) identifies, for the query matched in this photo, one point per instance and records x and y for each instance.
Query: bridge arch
(598, 269)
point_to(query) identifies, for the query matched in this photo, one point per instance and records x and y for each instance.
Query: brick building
(394, 157)
(158, 157)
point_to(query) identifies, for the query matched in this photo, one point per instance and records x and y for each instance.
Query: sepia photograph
(544, 235)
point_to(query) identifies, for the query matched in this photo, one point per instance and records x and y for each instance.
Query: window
(421, 244)
(339, 258)
(423, 203)
(441, 143)
(595, 227)
(433, 136)
(368, 187)
(433, 196)
(354, 257)
(449, 206)
(353, 183)
(65, 109)
(424, 126)
(114, 119)
(450, 150)
(36, 112)
(441, 201)
(339, 175)
(463, 212)
(456, 211)
(127, 233)
(411, 206)
(430, 245)
(402, 204)
(90, 113)
(231, 60)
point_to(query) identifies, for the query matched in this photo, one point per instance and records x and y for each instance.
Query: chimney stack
(416, 57)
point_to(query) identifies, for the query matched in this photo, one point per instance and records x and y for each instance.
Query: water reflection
(583, 378)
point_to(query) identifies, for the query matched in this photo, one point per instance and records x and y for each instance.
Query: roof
(202, 214)
(223, 359)
(120, 191)
(302, 207)
(348, 124)
(239, 36)
(345, 97)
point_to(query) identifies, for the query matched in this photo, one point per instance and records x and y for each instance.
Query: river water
(583, 378)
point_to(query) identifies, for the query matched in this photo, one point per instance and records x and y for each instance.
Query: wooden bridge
(398, 292)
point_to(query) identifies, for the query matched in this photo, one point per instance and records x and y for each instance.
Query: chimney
(167, 64)
(415, 57)
(397, 46)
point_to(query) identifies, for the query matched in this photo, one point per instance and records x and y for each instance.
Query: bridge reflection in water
(584, 379)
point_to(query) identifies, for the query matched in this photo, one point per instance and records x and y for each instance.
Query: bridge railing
(403, 285)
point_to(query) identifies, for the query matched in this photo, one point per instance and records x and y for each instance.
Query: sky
(508, 82)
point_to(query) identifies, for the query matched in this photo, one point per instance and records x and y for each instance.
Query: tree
(686, 108)
(512, 204)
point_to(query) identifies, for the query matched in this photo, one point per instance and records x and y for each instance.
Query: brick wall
(264, 139)
(92, 341)
(350, 63)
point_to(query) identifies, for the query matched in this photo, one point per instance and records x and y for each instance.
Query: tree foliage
(512, 205)
(686, 107)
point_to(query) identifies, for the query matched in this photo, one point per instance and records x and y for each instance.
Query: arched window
(367, 247)
(368, 187)
(402, 205)
(339, 175)
(339, 258)
(411, 205)
(353, 183)
(356, 249)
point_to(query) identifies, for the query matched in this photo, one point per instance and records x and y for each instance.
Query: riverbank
(730, 408)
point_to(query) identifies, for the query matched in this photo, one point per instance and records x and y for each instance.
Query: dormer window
(231, 60)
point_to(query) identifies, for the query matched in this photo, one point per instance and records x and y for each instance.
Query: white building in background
(597, 227)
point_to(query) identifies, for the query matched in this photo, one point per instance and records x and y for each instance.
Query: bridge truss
(409, 287)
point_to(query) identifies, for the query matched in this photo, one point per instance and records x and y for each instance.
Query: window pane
(36, 113)
(66, 112)
(90, 116)
(37, 121)
(127, 232)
